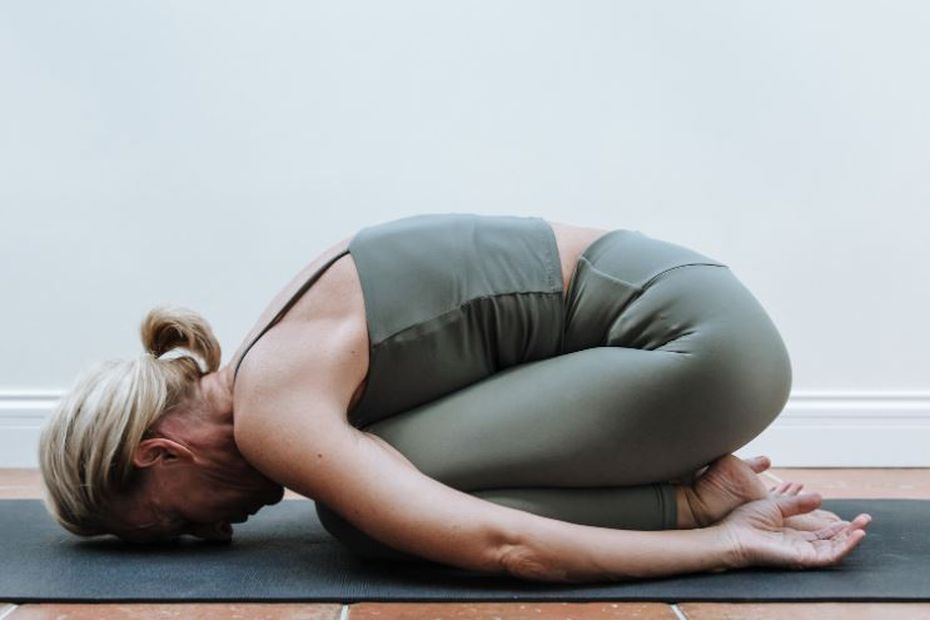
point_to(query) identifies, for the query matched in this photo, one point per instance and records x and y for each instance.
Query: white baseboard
(22, 413)
(848, 429)
(816, 429)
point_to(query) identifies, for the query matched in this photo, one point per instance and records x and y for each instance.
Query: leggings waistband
(637, 259)
(611, 273)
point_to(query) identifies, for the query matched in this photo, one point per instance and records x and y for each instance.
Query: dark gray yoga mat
(284, 554)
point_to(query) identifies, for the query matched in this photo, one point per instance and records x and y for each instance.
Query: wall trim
(818, 428)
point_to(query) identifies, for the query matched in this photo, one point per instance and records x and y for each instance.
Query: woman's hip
(631, 290)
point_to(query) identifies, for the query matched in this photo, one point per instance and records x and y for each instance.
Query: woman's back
(451, 299)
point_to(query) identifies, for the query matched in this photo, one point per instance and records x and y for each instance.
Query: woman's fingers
(812, 521)
(842, 544)
(759, 463)
(831, 530)
(791, 505)
(861, 520)
(787, 488)
(837, 540)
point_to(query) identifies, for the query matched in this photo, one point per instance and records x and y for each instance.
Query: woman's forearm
(553, 550)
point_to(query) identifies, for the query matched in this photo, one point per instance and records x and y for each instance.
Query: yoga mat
(284, 554)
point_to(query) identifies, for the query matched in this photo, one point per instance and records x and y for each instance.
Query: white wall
(201, 153)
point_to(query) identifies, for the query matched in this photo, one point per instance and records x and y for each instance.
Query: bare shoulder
(288, 291)
(317, 353)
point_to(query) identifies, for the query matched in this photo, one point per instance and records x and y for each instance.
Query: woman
(497, 393)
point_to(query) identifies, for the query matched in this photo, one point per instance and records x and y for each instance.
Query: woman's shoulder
(318, 349)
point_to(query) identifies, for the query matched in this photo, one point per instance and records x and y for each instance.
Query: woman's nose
(221, 530)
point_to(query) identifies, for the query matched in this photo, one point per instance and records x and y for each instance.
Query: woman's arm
(311, 451)
(552, 550)
(384, 495)
(293, 428)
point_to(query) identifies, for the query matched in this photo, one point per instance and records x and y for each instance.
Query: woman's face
(200, 496)
(192, 477)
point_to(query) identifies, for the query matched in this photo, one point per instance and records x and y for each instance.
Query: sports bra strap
(290, 302)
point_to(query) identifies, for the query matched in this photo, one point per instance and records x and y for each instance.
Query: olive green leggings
(669, 362)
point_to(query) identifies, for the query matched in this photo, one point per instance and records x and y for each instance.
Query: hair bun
(165, 328)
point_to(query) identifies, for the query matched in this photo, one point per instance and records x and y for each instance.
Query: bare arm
(293, 428)
(308, 447)
(384, 495)
(552, 550)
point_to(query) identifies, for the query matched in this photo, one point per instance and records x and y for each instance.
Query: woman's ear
(159, 449)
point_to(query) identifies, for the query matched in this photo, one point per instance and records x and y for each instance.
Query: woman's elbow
(521, 561)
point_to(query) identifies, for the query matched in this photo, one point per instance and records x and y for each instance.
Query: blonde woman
(497, 393)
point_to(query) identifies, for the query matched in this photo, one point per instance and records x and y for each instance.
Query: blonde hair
(86, 447)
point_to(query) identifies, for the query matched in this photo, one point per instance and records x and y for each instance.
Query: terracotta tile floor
(831, 483)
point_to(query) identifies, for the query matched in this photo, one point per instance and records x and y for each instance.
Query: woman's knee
(744, 377)
(732, 368)
(709, 314)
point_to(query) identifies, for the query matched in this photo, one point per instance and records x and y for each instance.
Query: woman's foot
(727, 483)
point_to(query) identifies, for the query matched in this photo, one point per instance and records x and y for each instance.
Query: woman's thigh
(669, 362)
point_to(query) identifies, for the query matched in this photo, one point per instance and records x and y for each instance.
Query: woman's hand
(811, 521)
(767, 532)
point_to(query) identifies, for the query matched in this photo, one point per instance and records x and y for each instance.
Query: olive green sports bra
(450, 299)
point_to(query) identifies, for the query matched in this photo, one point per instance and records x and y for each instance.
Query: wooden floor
(831, 483)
